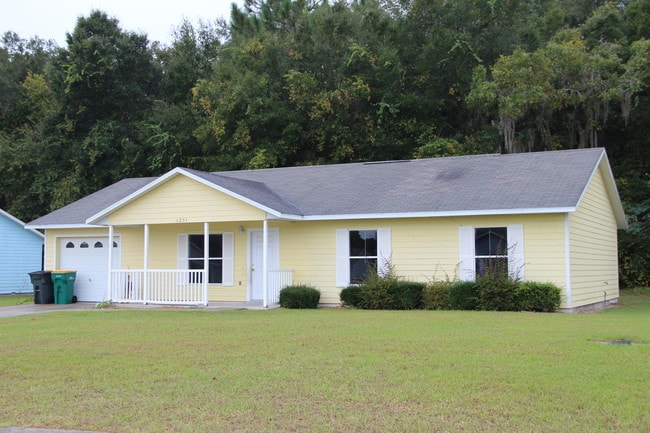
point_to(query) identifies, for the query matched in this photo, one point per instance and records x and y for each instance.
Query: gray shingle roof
(442, 185)
(478, 184)
(78, 212)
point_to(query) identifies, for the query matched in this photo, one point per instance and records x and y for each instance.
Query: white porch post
(206, 262)
(110, 263)
(265, 263)
(146, 264)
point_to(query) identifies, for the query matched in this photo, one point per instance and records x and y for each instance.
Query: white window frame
(343, 253)
(515, 249)
(227, 239)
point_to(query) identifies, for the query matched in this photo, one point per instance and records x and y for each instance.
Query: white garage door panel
(89, 257)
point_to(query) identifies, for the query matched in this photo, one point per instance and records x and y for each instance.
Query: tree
(107, 74)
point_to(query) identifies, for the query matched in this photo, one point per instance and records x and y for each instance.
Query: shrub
(407, 295)
(389, 292)
(496, 292)
(375, 292)
(435, 296)
(350, 296)
(463, 295)
(299, 296)
(533, 296)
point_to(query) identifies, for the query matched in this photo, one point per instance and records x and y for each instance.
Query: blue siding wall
(20, 253)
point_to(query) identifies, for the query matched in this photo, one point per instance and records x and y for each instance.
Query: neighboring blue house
(21, 252)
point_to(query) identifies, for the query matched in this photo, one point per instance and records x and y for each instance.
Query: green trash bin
(63, 286)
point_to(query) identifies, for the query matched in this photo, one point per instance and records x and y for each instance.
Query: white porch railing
(278, 279)
(172, 286)
(158, 286)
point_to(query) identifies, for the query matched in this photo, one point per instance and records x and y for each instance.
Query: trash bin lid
(62, 271)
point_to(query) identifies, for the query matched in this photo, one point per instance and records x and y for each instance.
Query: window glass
(83, 245)
(363, 243)
(491, 241)
(215, 256)
(360, 268)
(69, 245)
(363, 254)
(98, 245)
(491, 251)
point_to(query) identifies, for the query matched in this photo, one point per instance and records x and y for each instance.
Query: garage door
(89, 257)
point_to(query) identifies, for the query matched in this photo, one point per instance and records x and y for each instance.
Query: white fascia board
(226, 191)
(487, 212)
(64, 226)
(102, 215)
(610, 188)
(151, 185)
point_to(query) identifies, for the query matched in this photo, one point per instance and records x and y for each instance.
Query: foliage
(463, 295)
(436, 296)
(299, 296)
(534, 296)
(350, 296)
(301, 82)
(496, 291)
(387, 291)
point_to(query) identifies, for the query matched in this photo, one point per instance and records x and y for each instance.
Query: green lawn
(16, 299)
(328, 370)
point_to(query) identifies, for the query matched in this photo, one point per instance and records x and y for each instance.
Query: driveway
(23, 310)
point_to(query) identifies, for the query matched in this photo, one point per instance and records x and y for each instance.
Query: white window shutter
(182, 251)
(342, 258)
(516, 251)
(467, 257)
(384, 252)
(228, 259)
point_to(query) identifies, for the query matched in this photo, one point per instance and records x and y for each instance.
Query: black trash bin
(43, 287)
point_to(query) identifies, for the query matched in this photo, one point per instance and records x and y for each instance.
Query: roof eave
(454, 213)
(62, 226)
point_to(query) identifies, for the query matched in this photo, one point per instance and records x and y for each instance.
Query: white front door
(256, 264)
(88, 256)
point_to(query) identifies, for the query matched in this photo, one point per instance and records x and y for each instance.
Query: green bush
(389, 292)
(463, 295)
(350, 296)
(496, 292)
(299, 296)
(407, 295)
(375, 293)
(435, 296)
(534, 296)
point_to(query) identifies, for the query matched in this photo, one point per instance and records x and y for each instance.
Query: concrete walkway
(27, 309)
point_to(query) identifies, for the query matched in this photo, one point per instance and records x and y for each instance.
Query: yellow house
(192, 237)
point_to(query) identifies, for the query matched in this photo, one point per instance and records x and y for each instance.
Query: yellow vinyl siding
(423, 249)
(184, 200)
(593, 247)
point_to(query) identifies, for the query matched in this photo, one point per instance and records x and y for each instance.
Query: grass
(328, 370)
(16, 299)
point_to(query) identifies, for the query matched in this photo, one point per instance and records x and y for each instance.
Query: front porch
(180, 286)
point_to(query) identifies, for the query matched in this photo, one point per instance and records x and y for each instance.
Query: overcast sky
(51, 19)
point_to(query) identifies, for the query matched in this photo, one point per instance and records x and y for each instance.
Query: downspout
(265, 264)
(146, 264)
(206, 261)
(110, 263)
(567, 261)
